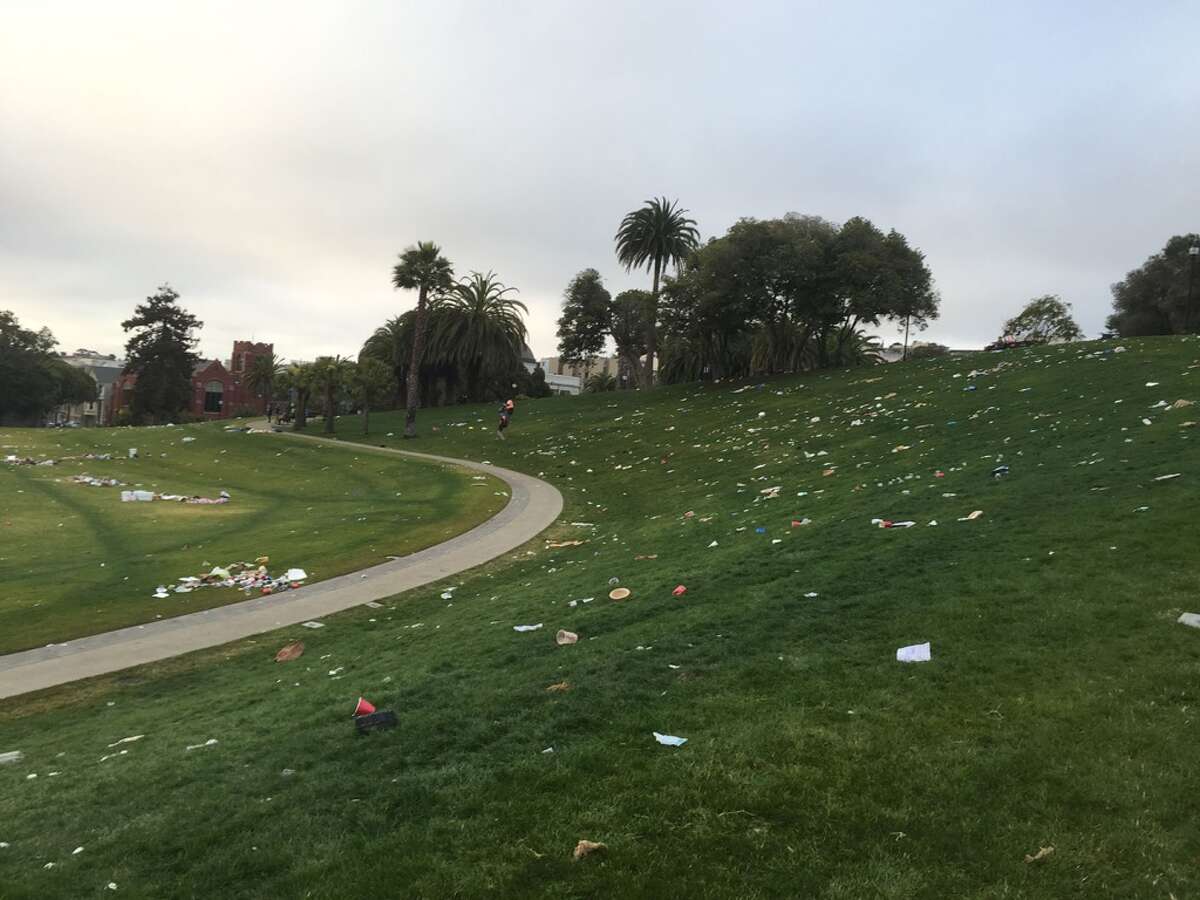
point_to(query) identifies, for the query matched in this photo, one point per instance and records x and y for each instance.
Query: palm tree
(482, 330)
(298, 377)
(263, 375)
(370, 382)
(657, 235)
(330, 374)
(424, 269)
(391, 345)
(599, 383)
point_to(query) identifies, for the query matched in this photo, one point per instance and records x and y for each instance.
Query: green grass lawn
(75, 560)
(1059, 708)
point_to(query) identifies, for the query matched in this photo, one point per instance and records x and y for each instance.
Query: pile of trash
(246, 577)
(147, 496)
(14, 460)
(95, 481)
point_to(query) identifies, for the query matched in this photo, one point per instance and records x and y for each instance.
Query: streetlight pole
(1193, 252)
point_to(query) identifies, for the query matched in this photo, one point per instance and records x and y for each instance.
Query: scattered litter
(1043, 853)
(196, 499)
(1181, 404)
(76, 851)
(364, 707)
(1192, 619)
(812, 594)
(549, 749)
(557, 545)
(619, 593)
(999, 471)
(1167, 477)
(669, 740)
(586, 848)
(312, 624)
(209, 743)
(291, 651)
(93, 481)
(565, 637)
(127, 740)
(679, 591)
(647, 556)
(969, 517)
(713, 544)
(11, 756)
(559, 687)
(913, 653)
(887, 523)
(288, 773)
(524, 628)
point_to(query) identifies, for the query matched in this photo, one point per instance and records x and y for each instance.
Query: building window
(213, 392)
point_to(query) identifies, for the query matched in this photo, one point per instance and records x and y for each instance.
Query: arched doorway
(214, 393)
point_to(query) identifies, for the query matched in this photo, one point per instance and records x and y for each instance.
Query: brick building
(219, 390)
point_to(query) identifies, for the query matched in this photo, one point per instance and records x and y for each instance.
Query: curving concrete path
(532, 507)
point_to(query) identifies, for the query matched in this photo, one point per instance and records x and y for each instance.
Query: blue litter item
(760, 530)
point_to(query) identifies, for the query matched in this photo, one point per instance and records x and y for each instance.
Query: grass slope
(75, 560)
(1059, 708)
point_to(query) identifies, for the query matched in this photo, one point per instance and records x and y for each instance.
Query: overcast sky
(270, 160)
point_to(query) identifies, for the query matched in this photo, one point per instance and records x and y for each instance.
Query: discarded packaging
(291, 651)
(523, 628)
(619, 593)
(669, 740)
(11, 756)
(679, 591)
(565, 637)
(586, 848)
(913, 653)
(559, 687)
(209, 743)
(1043, 853)
(1192, 619)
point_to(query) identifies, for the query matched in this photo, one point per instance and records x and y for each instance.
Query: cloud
(270, 161)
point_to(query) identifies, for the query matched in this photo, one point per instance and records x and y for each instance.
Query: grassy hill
(1058, 709)
(75, 560)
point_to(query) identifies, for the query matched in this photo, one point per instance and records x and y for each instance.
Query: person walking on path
(506, 412)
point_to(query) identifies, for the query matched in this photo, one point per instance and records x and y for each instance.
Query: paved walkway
(533, 506)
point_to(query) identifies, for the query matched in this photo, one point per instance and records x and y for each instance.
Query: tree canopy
(655, 236)
(1043, 319)
(1154, 298)
(784, 295)
(160, 353)
(35, 380)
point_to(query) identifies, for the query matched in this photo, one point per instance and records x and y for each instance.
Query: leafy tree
(537, 384)
(655, 236)
(424, 269)
(72, 384)
(630, 309)
(34, 380)
(264, 374)
(391, 344)
(586, 320)
(371, 381)
(928, 351)
(160, 353)
(600, 382)
(330, 374)
(1154, 298)
(1042, 320)
(481, 330)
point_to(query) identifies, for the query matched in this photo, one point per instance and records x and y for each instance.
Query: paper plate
(619, 593)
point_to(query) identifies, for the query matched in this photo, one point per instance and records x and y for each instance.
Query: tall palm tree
(424, 269)
(482, 331)
(298, 377)
(330, 374)
(657, 235)
(263, 375)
